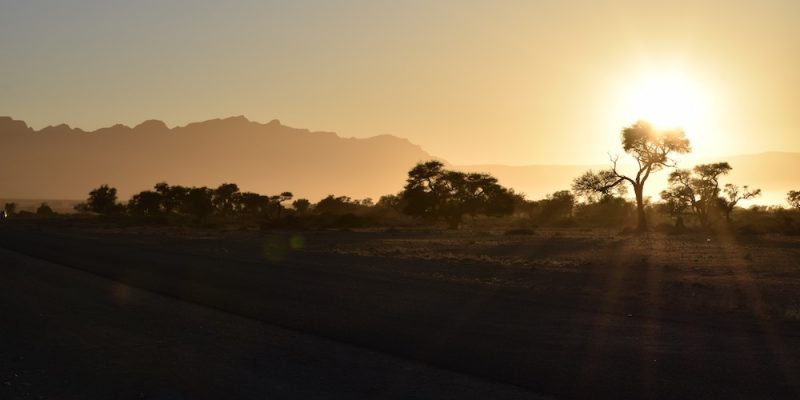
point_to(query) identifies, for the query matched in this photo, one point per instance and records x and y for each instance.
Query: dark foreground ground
(90, 312)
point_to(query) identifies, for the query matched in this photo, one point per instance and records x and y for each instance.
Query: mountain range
(64, 162)
(61, 162)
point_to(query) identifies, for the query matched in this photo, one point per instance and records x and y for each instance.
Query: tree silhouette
(433, 193)
(146, 203)
(332, 205)
(224, 197)
(734, 194)
(44, 210)
(651, 149)
(558, 206)
(423, 193)
(301, 205)
(277, 202)
(252, 204)
(393, 201)
(793, 197)
(699, 190)
(591, 186)
(10, 208)
(172, 197)
(103, 200)
(198, 202)
(675, 204)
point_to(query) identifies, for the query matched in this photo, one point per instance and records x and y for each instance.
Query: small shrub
(44, 210)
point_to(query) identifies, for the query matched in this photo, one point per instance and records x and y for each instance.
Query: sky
(473, 82)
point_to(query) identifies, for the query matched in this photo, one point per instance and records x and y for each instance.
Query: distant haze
(515, 82)
(774, 172)
(62, 162)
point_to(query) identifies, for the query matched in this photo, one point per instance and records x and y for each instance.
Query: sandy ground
(567, 314)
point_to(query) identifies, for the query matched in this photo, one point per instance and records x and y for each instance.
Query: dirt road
(67, 334)
(205, 321)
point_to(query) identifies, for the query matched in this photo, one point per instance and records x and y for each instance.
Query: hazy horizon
(688, 159)
(273, 157)
(516, 83)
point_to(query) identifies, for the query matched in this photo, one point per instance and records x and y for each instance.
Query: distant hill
(60, 162)
(64, 162)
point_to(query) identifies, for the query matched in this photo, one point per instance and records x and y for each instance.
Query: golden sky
(505, 82)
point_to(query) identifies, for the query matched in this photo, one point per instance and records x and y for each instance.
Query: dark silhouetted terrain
(60, 162)
(63, 162)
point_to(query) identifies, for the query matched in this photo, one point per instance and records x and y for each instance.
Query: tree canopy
(433, 193)
(651, 149)
(699, 191)
(103, 200)
(793, 197)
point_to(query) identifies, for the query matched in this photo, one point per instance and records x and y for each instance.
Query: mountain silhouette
(61, 162)
(64, 162)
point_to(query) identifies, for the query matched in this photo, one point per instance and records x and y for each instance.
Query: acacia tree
(793, 197)
(423, 190)
(146, 203)
(301, 205)
(699, 189)
(333, 205)
(102, 200)
(675, 200)
(198, 202)
(278, 200)
(734, 194)
(172, 197)
(651, 149)
(252, 204)
(433, 193)
(223, 198)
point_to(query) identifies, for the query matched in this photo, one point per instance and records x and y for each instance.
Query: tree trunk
(641, 217)
(703, 217)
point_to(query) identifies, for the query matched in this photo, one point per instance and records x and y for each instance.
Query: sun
(667, 100)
